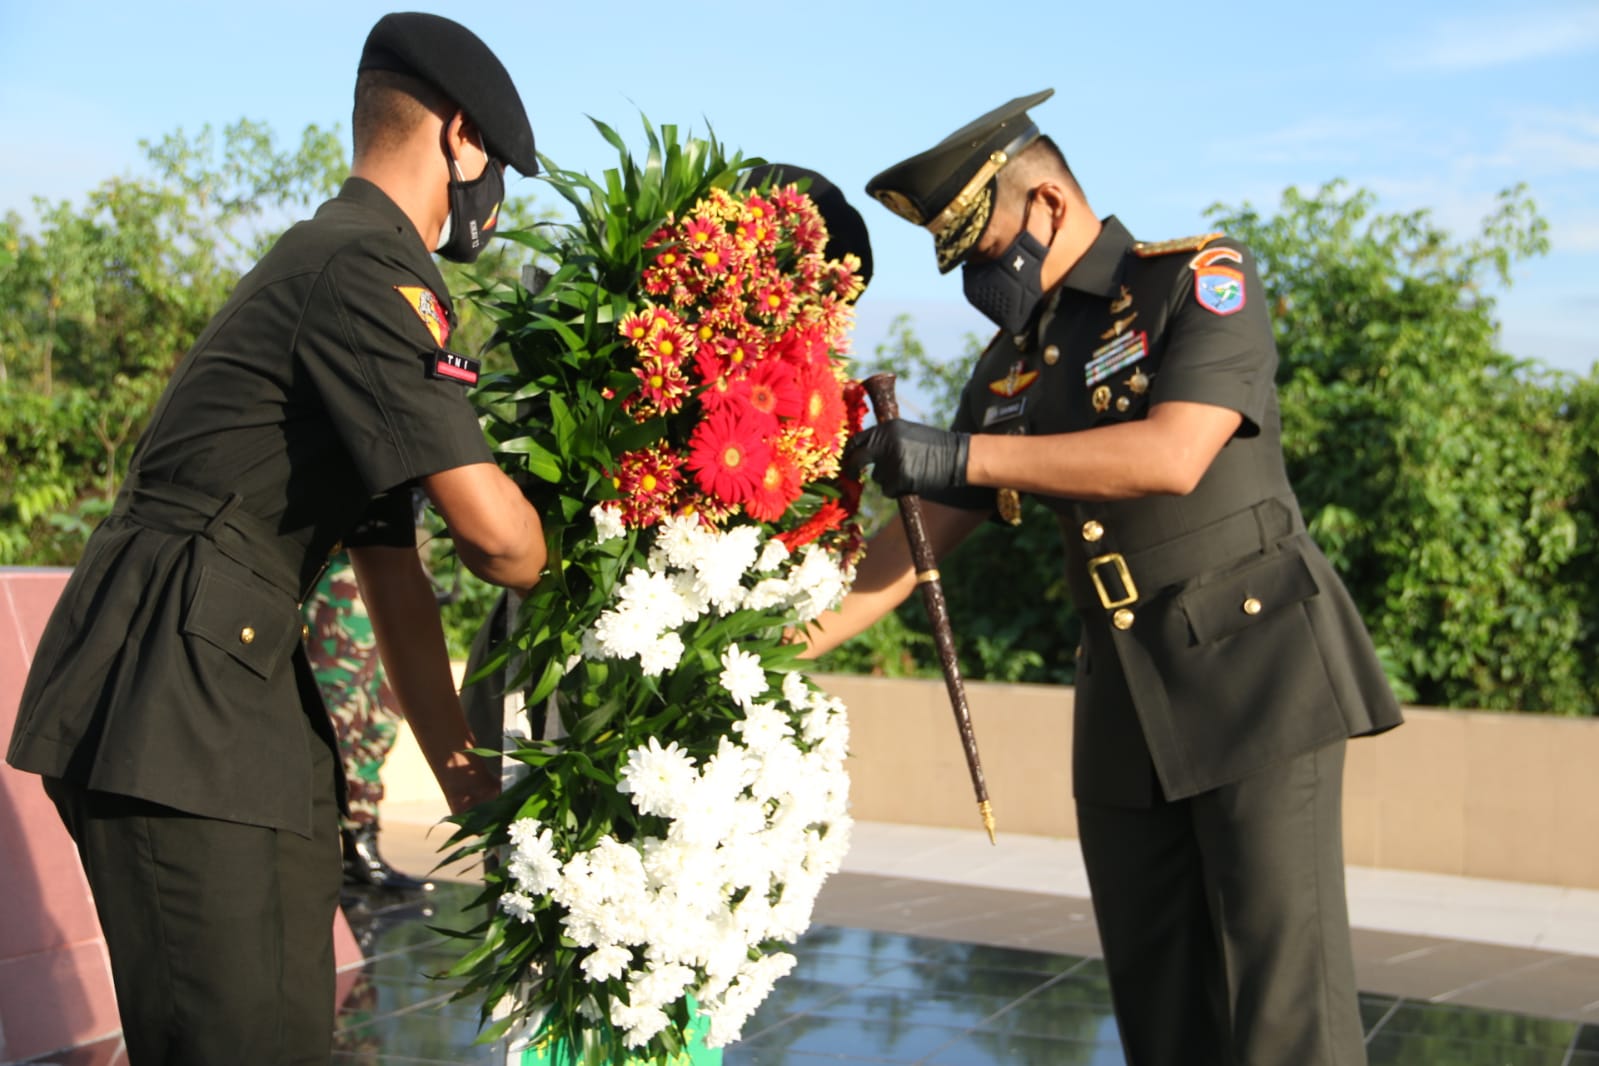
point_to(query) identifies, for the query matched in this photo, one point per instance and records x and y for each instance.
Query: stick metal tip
(986, 809)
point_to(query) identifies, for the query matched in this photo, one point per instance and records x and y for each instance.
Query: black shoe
(364, 867)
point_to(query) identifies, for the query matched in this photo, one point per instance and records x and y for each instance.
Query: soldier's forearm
(1166, 453)
(405, 620)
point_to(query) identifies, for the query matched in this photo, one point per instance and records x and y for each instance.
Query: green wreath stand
(547, 1052)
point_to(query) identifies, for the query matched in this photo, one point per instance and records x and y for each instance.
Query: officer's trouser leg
(1224, 922)
(220, 934)
(1274, 861)
(1165, 965)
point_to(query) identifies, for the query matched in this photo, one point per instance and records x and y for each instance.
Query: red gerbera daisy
(779, 486)
(822, 408)
(774, 389)
(728, 456)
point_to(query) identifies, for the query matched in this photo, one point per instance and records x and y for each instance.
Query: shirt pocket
(1252, 595)
(249, 620)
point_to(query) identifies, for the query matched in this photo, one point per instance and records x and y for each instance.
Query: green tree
(1439, 473)
(105, 295)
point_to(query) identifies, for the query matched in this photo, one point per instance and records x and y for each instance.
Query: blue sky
(1163, 108)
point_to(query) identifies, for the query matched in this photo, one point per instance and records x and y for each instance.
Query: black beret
(950, 187)
(846, 230)
(453, 60)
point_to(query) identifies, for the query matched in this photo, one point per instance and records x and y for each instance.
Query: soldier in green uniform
(170, 706)
(343, 652)
(1223, 666)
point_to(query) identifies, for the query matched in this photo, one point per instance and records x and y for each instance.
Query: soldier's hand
(908, 457)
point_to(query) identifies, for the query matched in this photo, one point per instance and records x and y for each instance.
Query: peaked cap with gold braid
(949, 188)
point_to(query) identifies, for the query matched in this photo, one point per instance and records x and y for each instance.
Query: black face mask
(474, 209)
(1008, 287)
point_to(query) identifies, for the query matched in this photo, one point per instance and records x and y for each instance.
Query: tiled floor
(908, 969)
(872, 996)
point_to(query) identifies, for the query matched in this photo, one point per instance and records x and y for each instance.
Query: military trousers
(1224, 921)
(220, 934)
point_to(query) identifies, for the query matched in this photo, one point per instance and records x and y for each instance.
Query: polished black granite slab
(859, 996)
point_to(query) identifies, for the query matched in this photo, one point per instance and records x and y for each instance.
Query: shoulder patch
(428, 309)
(1149, 249)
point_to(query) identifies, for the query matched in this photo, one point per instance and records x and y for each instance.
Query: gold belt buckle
(1122, 573)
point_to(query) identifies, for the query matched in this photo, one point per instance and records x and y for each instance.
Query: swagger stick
(880, 387)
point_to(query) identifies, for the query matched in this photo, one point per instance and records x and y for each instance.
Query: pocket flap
(249, 619)
(1246, 597)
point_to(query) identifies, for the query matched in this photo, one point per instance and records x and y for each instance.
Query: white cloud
(1477, 42)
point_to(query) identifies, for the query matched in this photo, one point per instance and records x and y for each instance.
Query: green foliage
(104, 296)
(1454, 487)
(1438, 472)
(558, 415)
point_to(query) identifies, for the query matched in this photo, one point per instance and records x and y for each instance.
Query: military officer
(170, 707)
(1130, 388)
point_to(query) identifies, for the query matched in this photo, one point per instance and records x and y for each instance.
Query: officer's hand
(908, 457)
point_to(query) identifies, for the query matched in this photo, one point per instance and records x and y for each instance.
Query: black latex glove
(908, 457)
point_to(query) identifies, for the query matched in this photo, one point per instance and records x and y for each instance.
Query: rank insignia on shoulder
(1150, 249)
(428, 309)
(1017, 380)
(1212, 256)
(446, 364)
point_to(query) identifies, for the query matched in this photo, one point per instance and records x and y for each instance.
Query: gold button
(338, 546)
(305, 631)
(247, 635)
(1123, 403)
(1051, 354)
(1122, 619)
(1092, 531)
(1251, 606)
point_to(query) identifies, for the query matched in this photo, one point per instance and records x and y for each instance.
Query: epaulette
(1149, 249)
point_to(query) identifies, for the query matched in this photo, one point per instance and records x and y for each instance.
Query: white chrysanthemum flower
(638, 1024)
(754, 983)
(743, 675)
(658, 986)
(818, 582)
(796, 690)
(518, 905)
(680, 540)
(764, 726)
(665, 653)
(656, 597)
(658, 778)
(791, 914)
(783, 766)
(773, 554)
(824, 852)
(719, 571)
(624, 633)
(608, 523)
(695, 602)
(705, 815)
(768, 593)
(534, 864)
(607, 963)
